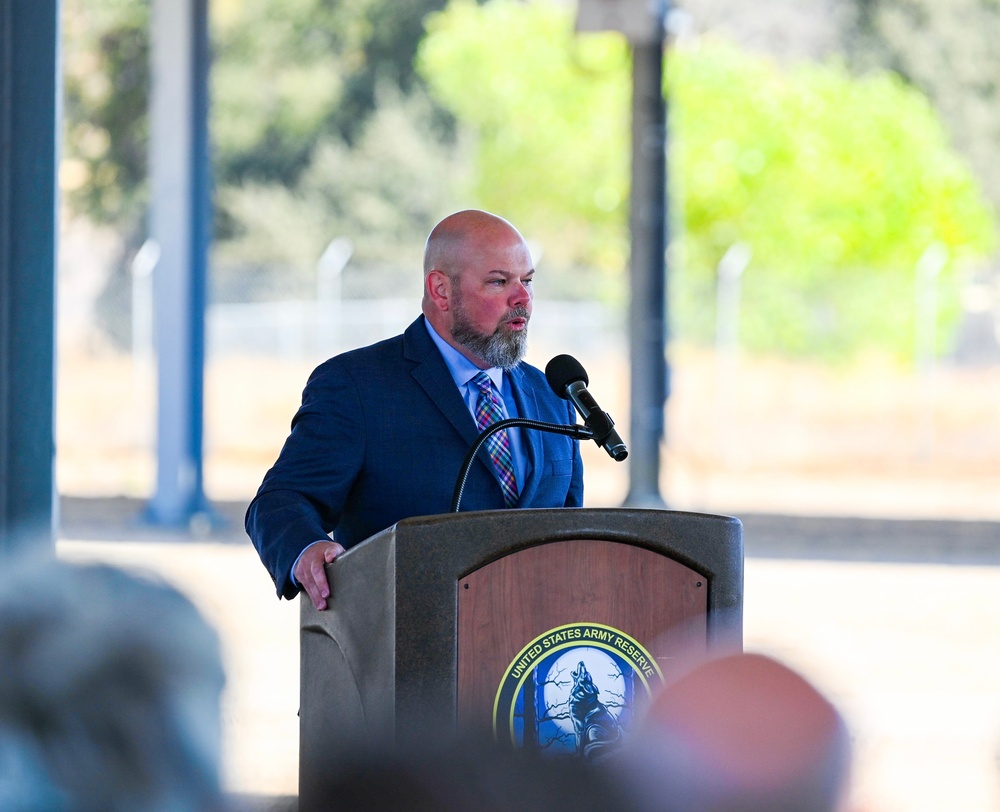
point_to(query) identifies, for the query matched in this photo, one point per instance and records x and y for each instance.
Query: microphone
(569, 380)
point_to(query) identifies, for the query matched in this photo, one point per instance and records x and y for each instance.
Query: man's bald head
(477, 287)
(457, 236)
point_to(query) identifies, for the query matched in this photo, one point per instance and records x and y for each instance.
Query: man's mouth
(517, 321)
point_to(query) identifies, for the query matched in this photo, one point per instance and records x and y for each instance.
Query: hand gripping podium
(514, 621)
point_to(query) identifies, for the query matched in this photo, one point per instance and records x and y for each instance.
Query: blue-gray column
(179, 222)
(29, 124)
(648, 273)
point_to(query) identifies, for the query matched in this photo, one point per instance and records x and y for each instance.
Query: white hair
(110, 689)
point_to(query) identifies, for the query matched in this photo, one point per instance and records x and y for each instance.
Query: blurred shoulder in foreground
(742, 733)
(110, 689)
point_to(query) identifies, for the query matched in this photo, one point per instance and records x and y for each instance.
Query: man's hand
(310, 572)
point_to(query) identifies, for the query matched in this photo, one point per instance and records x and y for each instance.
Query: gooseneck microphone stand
(576, 432)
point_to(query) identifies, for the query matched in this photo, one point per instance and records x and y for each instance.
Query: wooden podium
(463, 620)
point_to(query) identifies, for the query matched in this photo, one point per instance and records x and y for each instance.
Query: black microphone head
(563, 370)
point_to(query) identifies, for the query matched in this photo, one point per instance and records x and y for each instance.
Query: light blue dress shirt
(463, 371)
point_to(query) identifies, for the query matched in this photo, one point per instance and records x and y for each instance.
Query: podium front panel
(430, 617)
(568, 598)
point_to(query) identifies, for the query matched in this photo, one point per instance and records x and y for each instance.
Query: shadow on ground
(263, 803)
(922, 541)
(834, 538)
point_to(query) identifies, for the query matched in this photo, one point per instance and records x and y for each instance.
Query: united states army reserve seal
(572, 691)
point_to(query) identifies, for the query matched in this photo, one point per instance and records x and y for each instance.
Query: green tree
(299, 90)
(289, 75)
(106, 94)
(838, 185)
(550, 115)
(105, 141)
(319, 123)
(384, 193)
(285, 76)
(948, 50)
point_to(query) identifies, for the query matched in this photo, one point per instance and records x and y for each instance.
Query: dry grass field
(747, 436)
(906, 650)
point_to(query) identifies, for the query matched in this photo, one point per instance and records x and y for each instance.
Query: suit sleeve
(303, 494)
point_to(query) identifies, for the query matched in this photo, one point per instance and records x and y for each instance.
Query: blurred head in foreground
(109, 693)
(743, 733)
(434, 771)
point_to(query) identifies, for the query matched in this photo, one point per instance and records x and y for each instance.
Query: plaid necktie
(488, 412)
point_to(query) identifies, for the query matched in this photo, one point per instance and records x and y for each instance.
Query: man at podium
(382, 431)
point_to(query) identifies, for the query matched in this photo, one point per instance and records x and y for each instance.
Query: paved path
(899, 622)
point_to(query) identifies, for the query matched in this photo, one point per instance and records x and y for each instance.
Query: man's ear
(437, 287)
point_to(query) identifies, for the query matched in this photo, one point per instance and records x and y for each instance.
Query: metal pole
(179, 223)
(329, 295)
(648, 274)
(29, 125)
(727, 336)
(143, 266)
(928, 267)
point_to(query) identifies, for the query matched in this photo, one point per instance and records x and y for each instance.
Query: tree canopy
(948, 50)
(838, 185)
(321, 128)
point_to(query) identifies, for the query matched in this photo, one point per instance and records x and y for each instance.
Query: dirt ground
(742, 435)
(905, 649)
(870, 499)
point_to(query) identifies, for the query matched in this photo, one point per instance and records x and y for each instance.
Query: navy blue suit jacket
(380, 437)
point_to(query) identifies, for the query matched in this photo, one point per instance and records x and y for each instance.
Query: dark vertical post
(179, 222)
(201, 219)
(29, 127)
(648, 272)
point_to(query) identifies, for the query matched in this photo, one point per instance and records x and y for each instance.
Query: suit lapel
(527, 407)
(432, 375)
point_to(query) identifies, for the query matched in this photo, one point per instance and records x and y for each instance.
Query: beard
(502, 348)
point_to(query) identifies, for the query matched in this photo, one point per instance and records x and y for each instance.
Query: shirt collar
(460, 367)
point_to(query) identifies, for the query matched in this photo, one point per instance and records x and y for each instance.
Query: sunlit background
(833, 286)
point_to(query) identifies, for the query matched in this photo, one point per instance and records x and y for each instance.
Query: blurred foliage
(322, 128)
(384, 193)
(105, 91)
(837, 185)
(102, 176)
(291, 74)
(551, 114)
(948, 50)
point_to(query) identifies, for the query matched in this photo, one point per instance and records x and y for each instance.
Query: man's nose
(520, 295)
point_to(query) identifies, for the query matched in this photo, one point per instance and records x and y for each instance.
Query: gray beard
(503, 348)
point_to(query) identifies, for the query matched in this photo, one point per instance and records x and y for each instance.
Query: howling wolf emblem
(597, 731)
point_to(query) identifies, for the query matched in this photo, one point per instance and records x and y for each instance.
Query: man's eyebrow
(505, 273)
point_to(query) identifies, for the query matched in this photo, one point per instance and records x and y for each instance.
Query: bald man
(382, 431)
